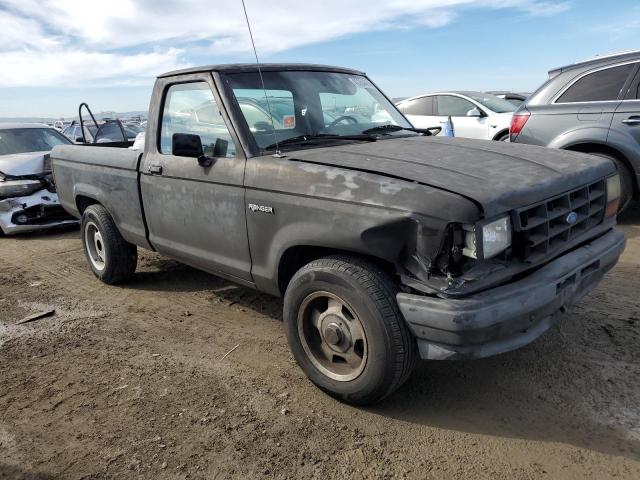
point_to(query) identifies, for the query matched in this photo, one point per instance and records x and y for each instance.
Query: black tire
(503, 137)
(626, 180)
(369, 291)
(115, 260)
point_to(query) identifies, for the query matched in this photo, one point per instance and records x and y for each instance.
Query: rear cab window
(257, 103)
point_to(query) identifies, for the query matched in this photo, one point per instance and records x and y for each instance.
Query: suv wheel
(111, 258)
(345, 330)
(626, 180)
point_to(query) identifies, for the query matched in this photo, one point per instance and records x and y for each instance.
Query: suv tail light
(517, 123)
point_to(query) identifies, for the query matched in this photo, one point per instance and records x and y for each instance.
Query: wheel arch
(84, 201)
(504, 131)
(594, 147)
(295, 257)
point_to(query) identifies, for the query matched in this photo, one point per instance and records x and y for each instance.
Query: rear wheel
(111, 258)
(345, 330)
(503, 137)
(626, 180)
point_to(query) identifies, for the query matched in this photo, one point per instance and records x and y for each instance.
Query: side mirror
(189, 145)
(186, 145)
(475, 112)
(79, 140)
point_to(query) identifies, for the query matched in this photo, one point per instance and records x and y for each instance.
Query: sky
(55, 54)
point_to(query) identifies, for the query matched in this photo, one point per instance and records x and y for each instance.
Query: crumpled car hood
(20, 164)
(498, 176)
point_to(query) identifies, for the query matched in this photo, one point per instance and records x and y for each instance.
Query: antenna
(278, 154)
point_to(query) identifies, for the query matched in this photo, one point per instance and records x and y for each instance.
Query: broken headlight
(18, 188)
(486, 240)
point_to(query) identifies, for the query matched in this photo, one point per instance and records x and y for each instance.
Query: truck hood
(21, 164)
(497, 176)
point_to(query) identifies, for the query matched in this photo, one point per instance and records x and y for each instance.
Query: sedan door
(419, 112)
(468, 120)
(196, 213)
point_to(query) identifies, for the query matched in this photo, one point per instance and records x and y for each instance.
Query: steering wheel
(342, 118)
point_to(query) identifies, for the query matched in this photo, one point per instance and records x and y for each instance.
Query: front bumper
(510, 316)
(38, 211)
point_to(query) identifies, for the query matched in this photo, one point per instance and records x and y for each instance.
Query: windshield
(132, 129)
(308, 103)
(23, 140)
(493, 103)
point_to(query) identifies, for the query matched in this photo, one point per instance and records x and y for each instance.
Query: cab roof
(265, 67)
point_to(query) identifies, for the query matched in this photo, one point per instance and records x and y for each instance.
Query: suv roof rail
(608, 55)
(594, 59)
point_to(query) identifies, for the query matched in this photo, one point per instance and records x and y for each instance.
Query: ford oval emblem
(571, 218)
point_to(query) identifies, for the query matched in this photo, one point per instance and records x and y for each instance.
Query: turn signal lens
(613, 195)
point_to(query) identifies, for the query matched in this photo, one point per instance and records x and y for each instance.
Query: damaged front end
(29, 202)
(463, 250)
(500, 283)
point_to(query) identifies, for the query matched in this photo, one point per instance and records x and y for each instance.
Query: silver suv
(593, 107)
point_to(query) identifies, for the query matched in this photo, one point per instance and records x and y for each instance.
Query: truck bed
(106, 174)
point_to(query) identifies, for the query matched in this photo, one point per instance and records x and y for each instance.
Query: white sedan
(473, 114)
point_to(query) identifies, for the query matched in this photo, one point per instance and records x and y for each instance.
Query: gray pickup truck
(387, 243)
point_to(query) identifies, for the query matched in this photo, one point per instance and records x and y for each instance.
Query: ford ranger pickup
(386, 242)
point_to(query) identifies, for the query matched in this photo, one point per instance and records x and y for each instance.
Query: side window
(419, 106)
(451, 106)
(599, 86)
(191, 108)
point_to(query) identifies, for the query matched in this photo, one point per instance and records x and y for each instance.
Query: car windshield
(493, 103)
(312, 103)
(23, 140)
(132, 129)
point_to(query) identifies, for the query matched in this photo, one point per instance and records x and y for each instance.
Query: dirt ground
(130, 382)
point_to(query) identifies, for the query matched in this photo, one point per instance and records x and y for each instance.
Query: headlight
(18, 188)
(487, 240)
(613, 195)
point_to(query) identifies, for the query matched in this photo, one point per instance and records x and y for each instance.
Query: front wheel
(345, 330)
(111, 258)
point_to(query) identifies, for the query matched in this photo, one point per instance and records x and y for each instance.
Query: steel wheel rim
(95, 246)
(332, 336)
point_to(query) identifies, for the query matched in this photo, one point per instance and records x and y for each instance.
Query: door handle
(155, 169)
(632, 121)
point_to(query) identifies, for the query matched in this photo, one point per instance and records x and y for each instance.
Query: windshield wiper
(302, 139)
(395, 128)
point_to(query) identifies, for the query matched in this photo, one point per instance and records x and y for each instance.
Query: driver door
(196, 214)
(459, 109)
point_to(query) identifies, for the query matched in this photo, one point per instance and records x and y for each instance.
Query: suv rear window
(600, 86)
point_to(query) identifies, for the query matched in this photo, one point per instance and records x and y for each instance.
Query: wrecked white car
(28, 200)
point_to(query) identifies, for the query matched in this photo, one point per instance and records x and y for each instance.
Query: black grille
(542, 229)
